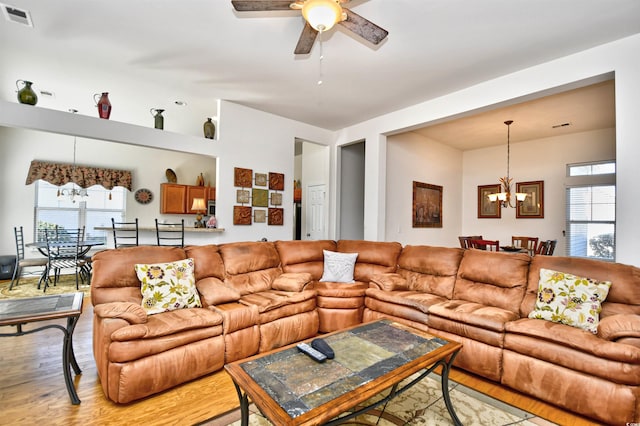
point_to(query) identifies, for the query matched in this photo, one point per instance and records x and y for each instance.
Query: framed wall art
(427, 205)
(211, 208)
(533, 205)
(486, 208)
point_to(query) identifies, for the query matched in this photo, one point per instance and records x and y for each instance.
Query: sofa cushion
(569, 299)
(492, 279)
(414, 299)
(168, 286)
(168, 323)
(274, 299)
(476, 314)
(430, 269)
(214, 292)
(338, 267)
(616, 327)
(291, 281)
(374, 257)
(304, 255)
(250, 267)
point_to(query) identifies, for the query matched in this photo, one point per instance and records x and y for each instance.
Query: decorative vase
(103, 104)
(158, 118)
(26, 95)
(209, 129)
(200, 180)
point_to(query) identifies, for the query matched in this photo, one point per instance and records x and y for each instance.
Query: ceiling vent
(16, 15)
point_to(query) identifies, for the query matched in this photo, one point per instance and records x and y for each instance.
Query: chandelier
(73, 193)
(505, 196)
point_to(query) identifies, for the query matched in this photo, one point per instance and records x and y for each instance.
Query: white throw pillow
(338, 267)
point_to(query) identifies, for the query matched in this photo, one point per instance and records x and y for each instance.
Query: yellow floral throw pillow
(571, 300)
(168, 286)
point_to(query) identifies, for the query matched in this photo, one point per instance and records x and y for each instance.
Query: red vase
(103, 104)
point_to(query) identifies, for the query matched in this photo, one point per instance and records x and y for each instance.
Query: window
(591, 210)
(96, 210)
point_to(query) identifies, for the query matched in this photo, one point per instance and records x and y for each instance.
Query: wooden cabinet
(178, 199)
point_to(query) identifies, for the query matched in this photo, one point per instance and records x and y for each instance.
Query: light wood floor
(32, 389)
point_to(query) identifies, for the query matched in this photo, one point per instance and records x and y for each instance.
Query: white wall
(411, 157)
(542, 159)
(620, 57)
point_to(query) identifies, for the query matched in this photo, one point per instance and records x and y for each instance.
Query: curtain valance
(84, 176)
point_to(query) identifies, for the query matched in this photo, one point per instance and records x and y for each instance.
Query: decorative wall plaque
(259, 216)
(241, 215)
(242, 177)
(242, 196)
(276, 198)
(276, 216)
(261, 179)
(276, 181)
(260, 197)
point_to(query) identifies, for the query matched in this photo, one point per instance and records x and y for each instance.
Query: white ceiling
(200, 50)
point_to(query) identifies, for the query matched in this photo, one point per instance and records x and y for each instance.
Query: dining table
(84, 245)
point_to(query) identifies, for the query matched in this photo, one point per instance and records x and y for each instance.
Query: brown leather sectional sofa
(257, 296)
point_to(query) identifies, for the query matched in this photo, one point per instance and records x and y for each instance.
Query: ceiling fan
(320, 16)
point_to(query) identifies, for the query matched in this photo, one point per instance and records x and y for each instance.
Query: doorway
(311, 174)
(352, 165)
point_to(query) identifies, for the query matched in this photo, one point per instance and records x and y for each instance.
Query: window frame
(589, 181)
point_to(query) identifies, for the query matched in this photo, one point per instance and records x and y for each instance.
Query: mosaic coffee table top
(298, 384)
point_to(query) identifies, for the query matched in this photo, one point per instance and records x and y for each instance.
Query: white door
(315, 212)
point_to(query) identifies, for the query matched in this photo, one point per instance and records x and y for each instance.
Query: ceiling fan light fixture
(322, 15)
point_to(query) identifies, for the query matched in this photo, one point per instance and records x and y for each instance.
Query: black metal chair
(65, 252)
(125, 234)
(22, 262)
(170, 234)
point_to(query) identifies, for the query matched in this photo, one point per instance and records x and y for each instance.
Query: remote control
(312, 353)
(322, 346)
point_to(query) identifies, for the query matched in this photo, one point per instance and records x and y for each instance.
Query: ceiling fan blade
(363, 27)
(306, 40)
(260, 5)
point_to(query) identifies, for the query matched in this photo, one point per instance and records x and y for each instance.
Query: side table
(18, 312)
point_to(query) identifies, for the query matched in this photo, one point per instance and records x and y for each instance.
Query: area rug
(422, 405)
(28, 287)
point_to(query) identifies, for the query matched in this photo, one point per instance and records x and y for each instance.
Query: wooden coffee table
(18, 312)
(290, 388)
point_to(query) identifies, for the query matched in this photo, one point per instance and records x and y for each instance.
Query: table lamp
(198, 207)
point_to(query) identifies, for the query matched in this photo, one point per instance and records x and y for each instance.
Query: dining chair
(125, 234)
(64, 250)
(528, 243)
(22, 262)
(547, 247)
(464, 241)
(488, 245)
(170, 234)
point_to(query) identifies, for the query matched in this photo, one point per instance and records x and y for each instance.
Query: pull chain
(320, 75)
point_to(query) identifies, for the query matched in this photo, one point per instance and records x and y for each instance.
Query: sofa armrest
(389, 282)
(620, 326)
(292, 281)
(128, 311)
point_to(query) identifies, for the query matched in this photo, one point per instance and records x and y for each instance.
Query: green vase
(209, 129)
(26, 95)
